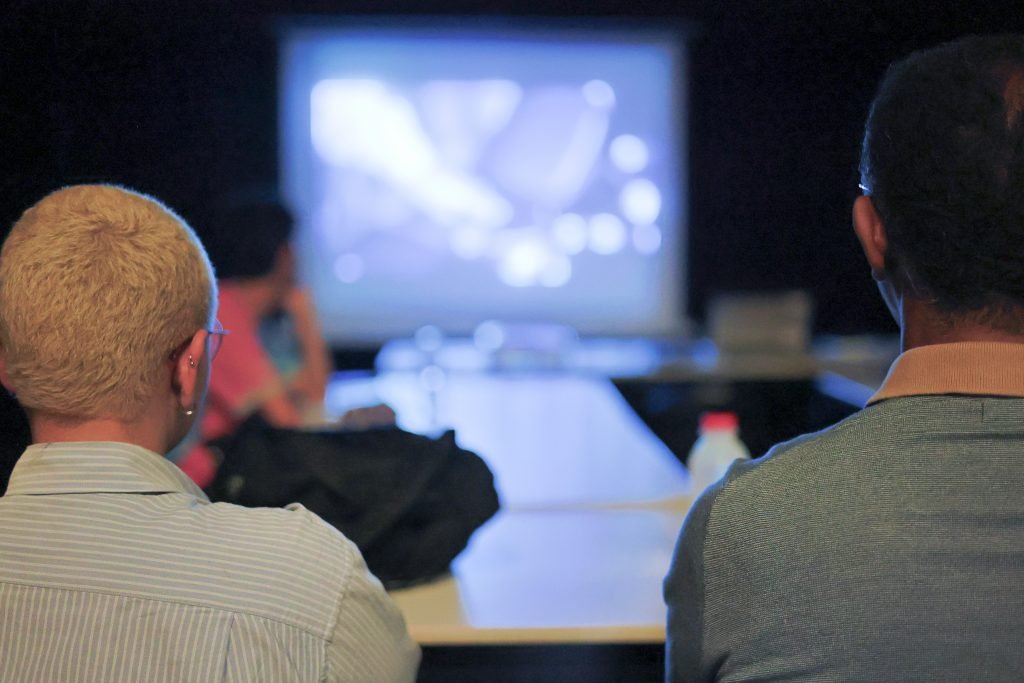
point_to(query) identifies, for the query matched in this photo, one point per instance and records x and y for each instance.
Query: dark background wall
(178, 99)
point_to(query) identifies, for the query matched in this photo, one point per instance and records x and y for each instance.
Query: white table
(569, 576)
(592, 503)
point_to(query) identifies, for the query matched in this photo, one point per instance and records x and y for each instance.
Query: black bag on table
(409, 502)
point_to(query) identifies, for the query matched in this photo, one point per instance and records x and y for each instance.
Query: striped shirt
(114, 567)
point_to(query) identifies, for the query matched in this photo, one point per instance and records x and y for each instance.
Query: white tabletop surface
(591, 576)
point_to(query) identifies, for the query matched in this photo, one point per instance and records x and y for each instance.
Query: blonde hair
(98, 286)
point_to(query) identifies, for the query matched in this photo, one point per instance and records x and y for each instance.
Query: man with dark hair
(250, 247)
(276, 363)
(891, 545)
(409, 502)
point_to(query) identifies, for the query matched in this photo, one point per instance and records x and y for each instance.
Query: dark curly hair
(943, 160)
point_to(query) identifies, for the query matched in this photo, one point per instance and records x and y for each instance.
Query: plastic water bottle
(716, 448)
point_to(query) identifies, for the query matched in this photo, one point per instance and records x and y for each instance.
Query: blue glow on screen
(450, 177)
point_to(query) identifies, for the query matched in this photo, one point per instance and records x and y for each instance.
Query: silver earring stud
(191, 362)
(190, 412)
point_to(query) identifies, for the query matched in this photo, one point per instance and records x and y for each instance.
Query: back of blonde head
(98, 286)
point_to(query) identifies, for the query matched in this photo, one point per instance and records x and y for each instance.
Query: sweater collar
(968, 368)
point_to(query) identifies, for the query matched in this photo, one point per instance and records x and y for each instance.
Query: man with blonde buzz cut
(115, 566)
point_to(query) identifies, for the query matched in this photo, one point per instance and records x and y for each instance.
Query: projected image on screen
(449, 178)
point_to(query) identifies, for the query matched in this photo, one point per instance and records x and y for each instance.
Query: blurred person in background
(409, 502)
(276, 363)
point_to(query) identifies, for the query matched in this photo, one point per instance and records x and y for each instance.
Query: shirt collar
(971, 368)
(97, 467)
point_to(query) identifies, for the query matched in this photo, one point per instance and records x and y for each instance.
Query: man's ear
(871, 234)
(185, 373)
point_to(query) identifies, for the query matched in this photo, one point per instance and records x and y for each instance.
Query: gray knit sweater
(889, 547)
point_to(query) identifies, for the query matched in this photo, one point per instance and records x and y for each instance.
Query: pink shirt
(243, 378)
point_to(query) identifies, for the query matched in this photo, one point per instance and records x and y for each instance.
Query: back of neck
(922, 325)
(55, 429)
